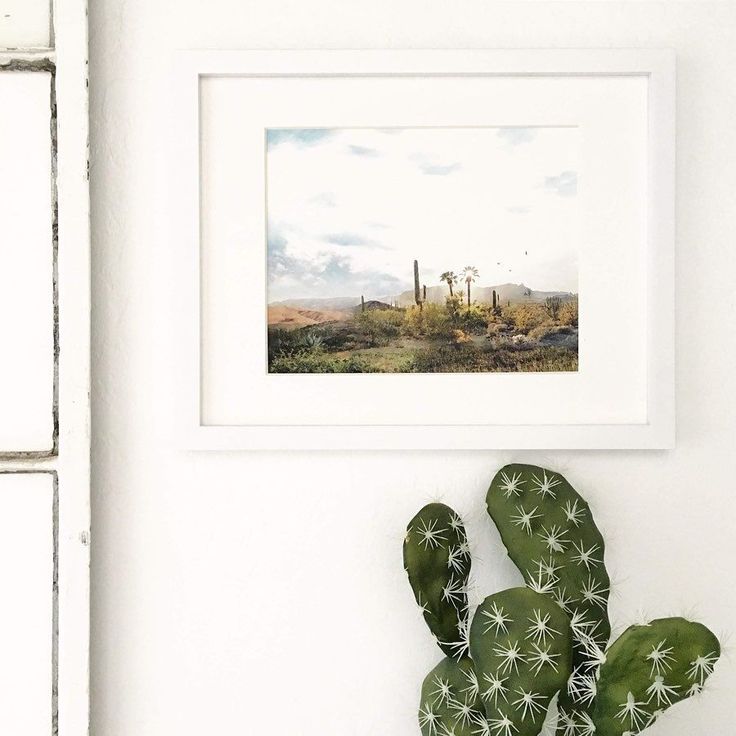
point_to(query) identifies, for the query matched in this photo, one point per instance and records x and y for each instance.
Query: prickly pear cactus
(528, 645)
(648, 669)
(437, 560)
(450, 702)
(551, 536)
(521, 644)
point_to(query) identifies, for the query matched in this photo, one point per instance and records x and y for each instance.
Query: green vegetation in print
(438, 250)
(432, 338)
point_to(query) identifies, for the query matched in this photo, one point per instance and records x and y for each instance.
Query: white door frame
(68, 460)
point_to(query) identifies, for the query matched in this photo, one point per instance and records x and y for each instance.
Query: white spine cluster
(511, 485)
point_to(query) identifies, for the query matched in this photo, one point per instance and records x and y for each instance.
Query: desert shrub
(454, 306)
(318, 362)
(497, 328)
(432, 320)
(537, 333)
(413, 323)
(436, 321)
(475, 318)
(552, 305)
(546, 330)
(343, 337)
(446, 359)
(380, 325)
(507, 314)
(525, 317)
(511, 359)
(459, 337)
(393, 317)
(569, 313)
(283, 342)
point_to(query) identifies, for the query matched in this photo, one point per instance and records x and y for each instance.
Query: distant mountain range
(514, 293)
(289, 318)
(335, 302)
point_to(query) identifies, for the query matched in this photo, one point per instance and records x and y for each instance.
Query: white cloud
(445, 196)
(517, 135)
(564, 184)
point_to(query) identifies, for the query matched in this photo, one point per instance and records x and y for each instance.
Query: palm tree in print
(450, 277)
(469, 275)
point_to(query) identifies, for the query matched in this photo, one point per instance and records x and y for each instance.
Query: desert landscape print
(422, 250)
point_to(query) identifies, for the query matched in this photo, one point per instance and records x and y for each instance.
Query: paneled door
(44, 368)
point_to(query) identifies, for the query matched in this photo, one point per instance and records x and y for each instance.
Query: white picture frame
(214, 411)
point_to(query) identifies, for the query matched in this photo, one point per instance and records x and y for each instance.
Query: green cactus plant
(450, 702)
(649, 668)
(551, 536)
(417, 293)
(548, 642)
(521, 645)
(527, 638)
(437, 560)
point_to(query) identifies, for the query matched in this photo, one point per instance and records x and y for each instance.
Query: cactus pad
(437, 560)
(450, 700)
(551, 536)
(648, 669)
(521, 645)
(528, 645)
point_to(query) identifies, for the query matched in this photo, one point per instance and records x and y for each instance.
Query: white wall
(263, 593)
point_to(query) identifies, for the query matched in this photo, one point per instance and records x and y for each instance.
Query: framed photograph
(426, 249)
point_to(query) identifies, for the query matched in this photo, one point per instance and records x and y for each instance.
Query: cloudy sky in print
(350, 209)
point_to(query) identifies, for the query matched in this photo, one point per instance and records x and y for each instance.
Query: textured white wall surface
(264, 593)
